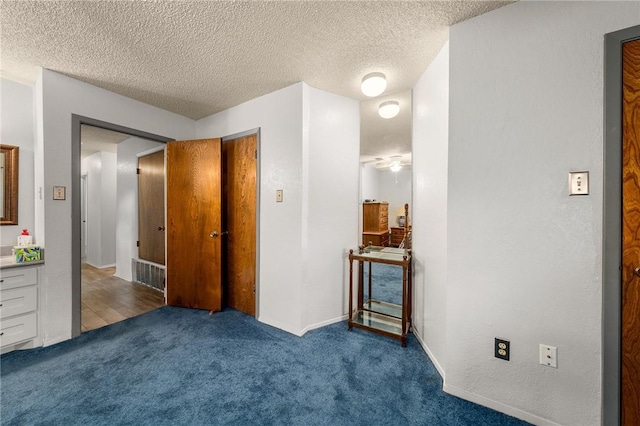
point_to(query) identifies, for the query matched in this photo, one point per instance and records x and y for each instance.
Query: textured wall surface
(395, 188)
(57, 98)
(330, 215)
(100, 169)
(524, 258)
(430, 160)
(280, 119)
(17, 128)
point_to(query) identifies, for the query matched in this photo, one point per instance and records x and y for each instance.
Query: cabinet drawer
(18, 329)
(18, 277)
(376, 238)
(18, 301)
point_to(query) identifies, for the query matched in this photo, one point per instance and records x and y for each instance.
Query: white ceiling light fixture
(389, 109)
(373, 84)
(395, 166)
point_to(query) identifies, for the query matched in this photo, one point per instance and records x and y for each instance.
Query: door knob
(160, 228)
(637, 271)
(213, 234)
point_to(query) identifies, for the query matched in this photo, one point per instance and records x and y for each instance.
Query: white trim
(426, 349)
(111, 265)
(323, 323)
(498, 406)
(282, 326)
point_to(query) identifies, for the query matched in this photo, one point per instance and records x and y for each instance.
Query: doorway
(77, 122)
(111, 287)
(621, 290)
(212, 244)
(76, 231)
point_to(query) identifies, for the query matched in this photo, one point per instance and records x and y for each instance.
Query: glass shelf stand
(380, 317)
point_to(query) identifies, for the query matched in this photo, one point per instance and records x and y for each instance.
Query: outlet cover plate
(549, 356)
(502, 349)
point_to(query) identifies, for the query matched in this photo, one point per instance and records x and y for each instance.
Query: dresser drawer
(18, 301)
(17, 329)
(376, 238)
(18, 277)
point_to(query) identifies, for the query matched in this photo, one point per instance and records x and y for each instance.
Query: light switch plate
(578, 183)
(59, 192)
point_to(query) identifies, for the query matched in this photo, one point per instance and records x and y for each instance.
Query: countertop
(10, 262)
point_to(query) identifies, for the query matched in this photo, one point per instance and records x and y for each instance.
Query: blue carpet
(386, 284)
(179, 366)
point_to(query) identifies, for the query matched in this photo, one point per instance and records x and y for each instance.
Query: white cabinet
(19, 307)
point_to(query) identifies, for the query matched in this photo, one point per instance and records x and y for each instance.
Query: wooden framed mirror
(9, 157)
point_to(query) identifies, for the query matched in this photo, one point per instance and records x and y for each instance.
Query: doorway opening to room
(122, 218)
(221, 177)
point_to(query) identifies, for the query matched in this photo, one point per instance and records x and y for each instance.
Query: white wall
(127, 205)
(292, 158)
(330, 210)
(429, 210)
(369, 183)
(100, 169)
(395, 188)
(524, 258)
(17, 128)
(57, 98)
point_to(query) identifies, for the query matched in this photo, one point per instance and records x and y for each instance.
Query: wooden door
(194, 249)
(151, 207)
(239, 176)
(631, 234)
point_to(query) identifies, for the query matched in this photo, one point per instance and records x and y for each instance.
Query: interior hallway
(107, 299)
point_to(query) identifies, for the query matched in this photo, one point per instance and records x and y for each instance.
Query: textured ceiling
(196, 58)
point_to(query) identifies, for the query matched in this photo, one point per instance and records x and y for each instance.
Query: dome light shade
(389, 109)
(395, 167)
(373, 84)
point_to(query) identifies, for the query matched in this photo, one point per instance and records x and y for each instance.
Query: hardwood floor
(107, 299)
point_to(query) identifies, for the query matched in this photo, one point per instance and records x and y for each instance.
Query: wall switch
(579, 183)
(59, 192)
(279, 196)
(549, 356)
(501, 349)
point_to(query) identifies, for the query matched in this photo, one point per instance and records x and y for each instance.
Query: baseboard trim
(433, 359)
(280, 325)
(498, 406)
(323, 323)
(102, 266)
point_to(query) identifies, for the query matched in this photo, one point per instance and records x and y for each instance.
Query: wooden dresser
(397, 235)
(375, 224)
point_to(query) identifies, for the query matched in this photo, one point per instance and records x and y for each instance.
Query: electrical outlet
(549, 356)
(501, 349)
